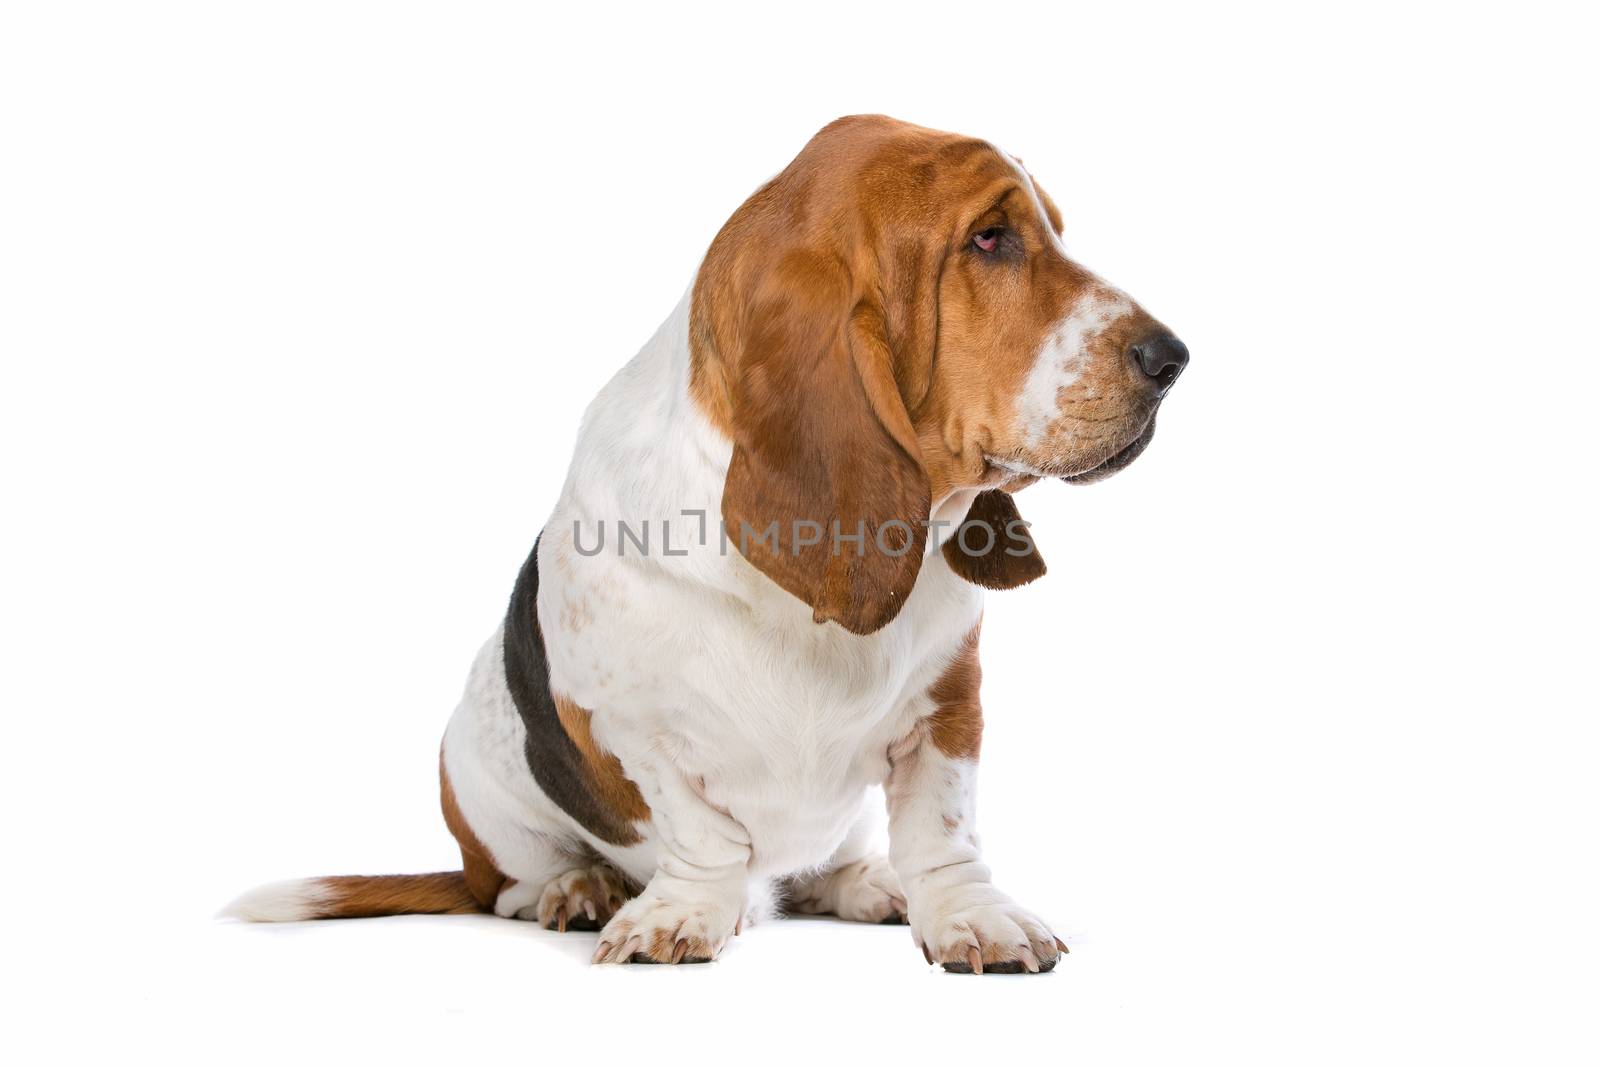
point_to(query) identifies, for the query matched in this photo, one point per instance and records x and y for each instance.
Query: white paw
(580, 899)
(976, 929)
(866, 891)
(651, 928)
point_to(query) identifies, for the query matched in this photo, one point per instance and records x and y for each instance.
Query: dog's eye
(987, 240)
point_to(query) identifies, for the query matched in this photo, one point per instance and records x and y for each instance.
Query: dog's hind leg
(531, 874)
(570, 893)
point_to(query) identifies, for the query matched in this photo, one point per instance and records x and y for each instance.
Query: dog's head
(892, 323)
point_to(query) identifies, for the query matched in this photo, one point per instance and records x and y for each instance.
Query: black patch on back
(555, 761)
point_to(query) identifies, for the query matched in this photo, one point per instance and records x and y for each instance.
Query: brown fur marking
(361, 896)
(615, 790)
(483, 878)
(956, 725)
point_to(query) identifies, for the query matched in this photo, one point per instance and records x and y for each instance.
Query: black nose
(1161, 358)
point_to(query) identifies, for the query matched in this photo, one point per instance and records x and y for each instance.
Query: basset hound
(759, 593)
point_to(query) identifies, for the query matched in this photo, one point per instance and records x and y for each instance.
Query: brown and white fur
(656, 744)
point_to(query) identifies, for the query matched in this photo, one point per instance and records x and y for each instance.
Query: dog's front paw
(980, 930)
(651, 928)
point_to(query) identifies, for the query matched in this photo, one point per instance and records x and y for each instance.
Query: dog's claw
(1062, 945)
(679, 951)
(601, 952)
(561, 919)
(975, 958)
(1029, 960)
(926, 954)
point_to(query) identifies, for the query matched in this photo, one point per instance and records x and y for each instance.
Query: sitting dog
(681, 717)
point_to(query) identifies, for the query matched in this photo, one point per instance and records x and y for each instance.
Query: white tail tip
(280, 902)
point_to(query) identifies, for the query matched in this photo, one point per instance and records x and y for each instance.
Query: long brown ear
(998, 551)
(823, 448)
(811, 331)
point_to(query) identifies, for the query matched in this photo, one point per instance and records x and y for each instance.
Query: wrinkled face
(890, 331)
(1041, 369)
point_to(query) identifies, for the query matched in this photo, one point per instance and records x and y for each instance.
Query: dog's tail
(354, 896)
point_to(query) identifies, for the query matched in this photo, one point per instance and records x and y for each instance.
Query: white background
(300, 304)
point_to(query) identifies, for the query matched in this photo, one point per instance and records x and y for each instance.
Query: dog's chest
(781, 722)
(788, 735)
